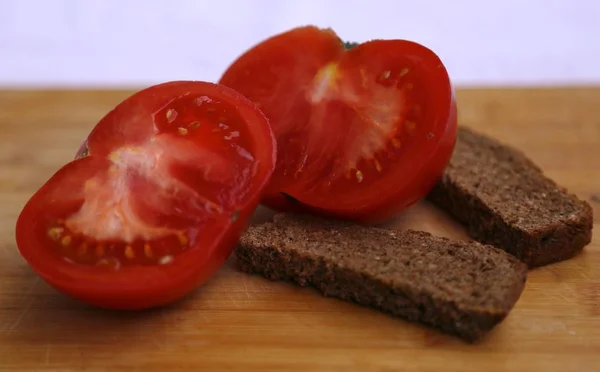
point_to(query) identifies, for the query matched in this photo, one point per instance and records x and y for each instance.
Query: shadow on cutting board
(226, 308)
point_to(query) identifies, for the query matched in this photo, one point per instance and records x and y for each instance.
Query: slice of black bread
(462, 288)
(504, 199)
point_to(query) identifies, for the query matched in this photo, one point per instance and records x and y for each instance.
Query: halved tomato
(362, 133)
(156, 199)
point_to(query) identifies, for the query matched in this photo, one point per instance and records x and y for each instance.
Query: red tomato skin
(190, 278)
(137, 288)
(388, 209)
(415, 181)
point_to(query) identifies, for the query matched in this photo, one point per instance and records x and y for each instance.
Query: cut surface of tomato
(155, 200)
(361, 133)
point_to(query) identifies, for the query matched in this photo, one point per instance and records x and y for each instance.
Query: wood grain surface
(239, 322)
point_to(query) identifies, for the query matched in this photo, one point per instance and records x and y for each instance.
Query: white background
(136, 42)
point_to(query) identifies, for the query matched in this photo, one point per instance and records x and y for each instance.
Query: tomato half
(362, 133)
(156, 199)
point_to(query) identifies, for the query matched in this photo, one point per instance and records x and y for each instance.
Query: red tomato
(361, 133)
(155, 201)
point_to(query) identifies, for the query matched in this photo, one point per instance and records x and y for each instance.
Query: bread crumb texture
(463, 288)
(504, 199)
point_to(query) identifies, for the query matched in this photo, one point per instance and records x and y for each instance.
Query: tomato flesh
(361, 133)
(155, 200)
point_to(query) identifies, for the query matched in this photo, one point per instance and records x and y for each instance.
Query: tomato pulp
(155, 200)
(362, 133)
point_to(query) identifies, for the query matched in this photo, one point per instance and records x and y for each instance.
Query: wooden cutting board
(248, 323)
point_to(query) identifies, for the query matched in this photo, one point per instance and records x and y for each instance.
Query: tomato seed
(396, 143)
(404, 71)
(182, 131)
(377, 165)
(66, 240)
(165, 260)
(213, 208)
(386, 74)
(55, 232)
(129, 252)
(109, 262)
(171, 115)
(183, 240)
(359, 176)
(76, 248)
(200, 100)
(148, 250)
(194, 124)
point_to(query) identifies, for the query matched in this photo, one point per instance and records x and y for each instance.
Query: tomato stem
(349, 44)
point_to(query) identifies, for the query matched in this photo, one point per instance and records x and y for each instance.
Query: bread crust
(504, 199)
(461, 288)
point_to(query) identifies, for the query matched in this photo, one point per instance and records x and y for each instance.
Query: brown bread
(504, 199)
(462, 288)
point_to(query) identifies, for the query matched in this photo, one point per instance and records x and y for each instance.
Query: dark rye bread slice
(462, 288)
(504, 199)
